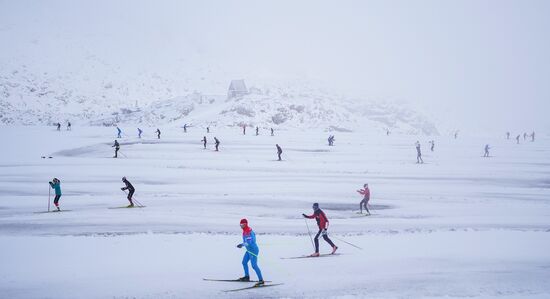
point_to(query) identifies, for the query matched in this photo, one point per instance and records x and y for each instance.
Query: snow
(459, 225)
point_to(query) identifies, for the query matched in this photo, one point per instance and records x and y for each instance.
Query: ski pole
(309, 232)
(49, 195)
(347, 242)
(134, 199)
(123, 154)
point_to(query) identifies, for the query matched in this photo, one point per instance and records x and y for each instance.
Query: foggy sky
(474, 64)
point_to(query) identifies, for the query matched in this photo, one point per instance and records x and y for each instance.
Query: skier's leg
(316, 240)
(56, 201)
(130, 194)
(246, 258)
(367, 206)
(328, 240)
(361, 207)
(254, 262)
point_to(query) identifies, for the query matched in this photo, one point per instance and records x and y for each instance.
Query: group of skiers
(525, 135)
(58, 126)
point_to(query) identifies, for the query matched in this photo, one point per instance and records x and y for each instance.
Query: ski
(253, 287)
(309, 256)
(52, 211)
(126, 207)
(230, 280)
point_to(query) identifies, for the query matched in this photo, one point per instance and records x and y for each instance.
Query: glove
(122, 188)
(324, 232)
(50, 183)
(305, 216)
(240, 246)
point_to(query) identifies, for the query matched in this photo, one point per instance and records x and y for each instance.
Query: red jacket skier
(322, 222)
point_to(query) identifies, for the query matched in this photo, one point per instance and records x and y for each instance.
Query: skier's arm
(361, 191)
(310, 217)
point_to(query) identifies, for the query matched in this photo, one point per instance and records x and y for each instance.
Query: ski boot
(244, 278)
(316, 254)
(130, 205)
(259, 283)
(334, 249)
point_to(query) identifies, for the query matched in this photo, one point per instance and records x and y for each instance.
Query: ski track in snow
(458, 226)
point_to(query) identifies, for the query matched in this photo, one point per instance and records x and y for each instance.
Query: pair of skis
(246, 288)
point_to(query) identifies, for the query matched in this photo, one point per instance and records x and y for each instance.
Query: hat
(244, 221)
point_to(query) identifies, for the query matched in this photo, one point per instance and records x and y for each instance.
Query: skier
(524, 136)
(272, 133)
(59, 126)
(185, 128)
(207, 129)
(251, 254)
(387, 132)
(56, 185)
(69, 126)
(130, 189)
(139, 132)
(244, 129)
(533, 136)
(508, 135)
(366, 197)
(257, 131)
(517, 139)
(432, 145)
(456, 134)
(158, 133)
(486, 151)
(279, 151)
(204, 141)
(119, 132)
(322, 222)
(117, 148)
(217, 143)
(418, 153)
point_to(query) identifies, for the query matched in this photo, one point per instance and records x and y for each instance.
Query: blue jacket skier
(119, 132)
(56, 185)
(139, 132)
(251, 255)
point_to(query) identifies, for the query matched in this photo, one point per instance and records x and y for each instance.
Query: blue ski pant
(253, 258)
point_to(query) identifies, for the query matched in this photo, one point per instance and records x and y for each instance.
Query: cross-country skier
(456, 134)
(272, 133)
(130, 189)
(524, 136)
(117, 148)
(69, 126)
(432, 145)
(139, 132)
(486, 151)
(217, 143)
(207, 129)
(257, 131)
(119, 132)
(279, 151)
(533, 136)
(158, 133)
(366, 197)
(204, 141)
(387, 132)
(322, 222)
(185, 128)
(418, 153)
(244, 129)
(517, 139)
(56, 185)
(251, 254)
(507, 135)
(58, 126)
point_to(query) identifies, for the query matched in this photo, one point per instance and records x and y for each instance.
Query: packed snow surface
(459, 225)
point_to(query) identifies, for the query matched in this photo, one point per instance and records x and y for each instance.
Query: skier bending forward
(322, 222)
(251, 254)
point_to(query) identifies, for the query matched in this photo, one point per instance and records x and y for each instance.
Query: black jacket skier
(117, 148)
(130, 189)
(279, 151)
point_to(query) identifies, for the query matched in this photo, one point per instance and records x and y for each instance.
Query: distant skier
(331, 140)
(486, 151)
(257, 131)
(130, 189)
(56, 185)
(244, 129)
(185, 128)
(207, 130)
(59, 126)
(204, 141)
(272, 133)
(139, 132)
(117, 148)
(322, 222)
(251, 254)
(387, 132)
(517, 139)
(158, 133)
(456, 134)
(279, 151)
(119, 132)
(524, 136)
(217, 143)
(508, 135)
(432, 143)
(69, 126)
(533, 136)
(418, 153)
(366, 197)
